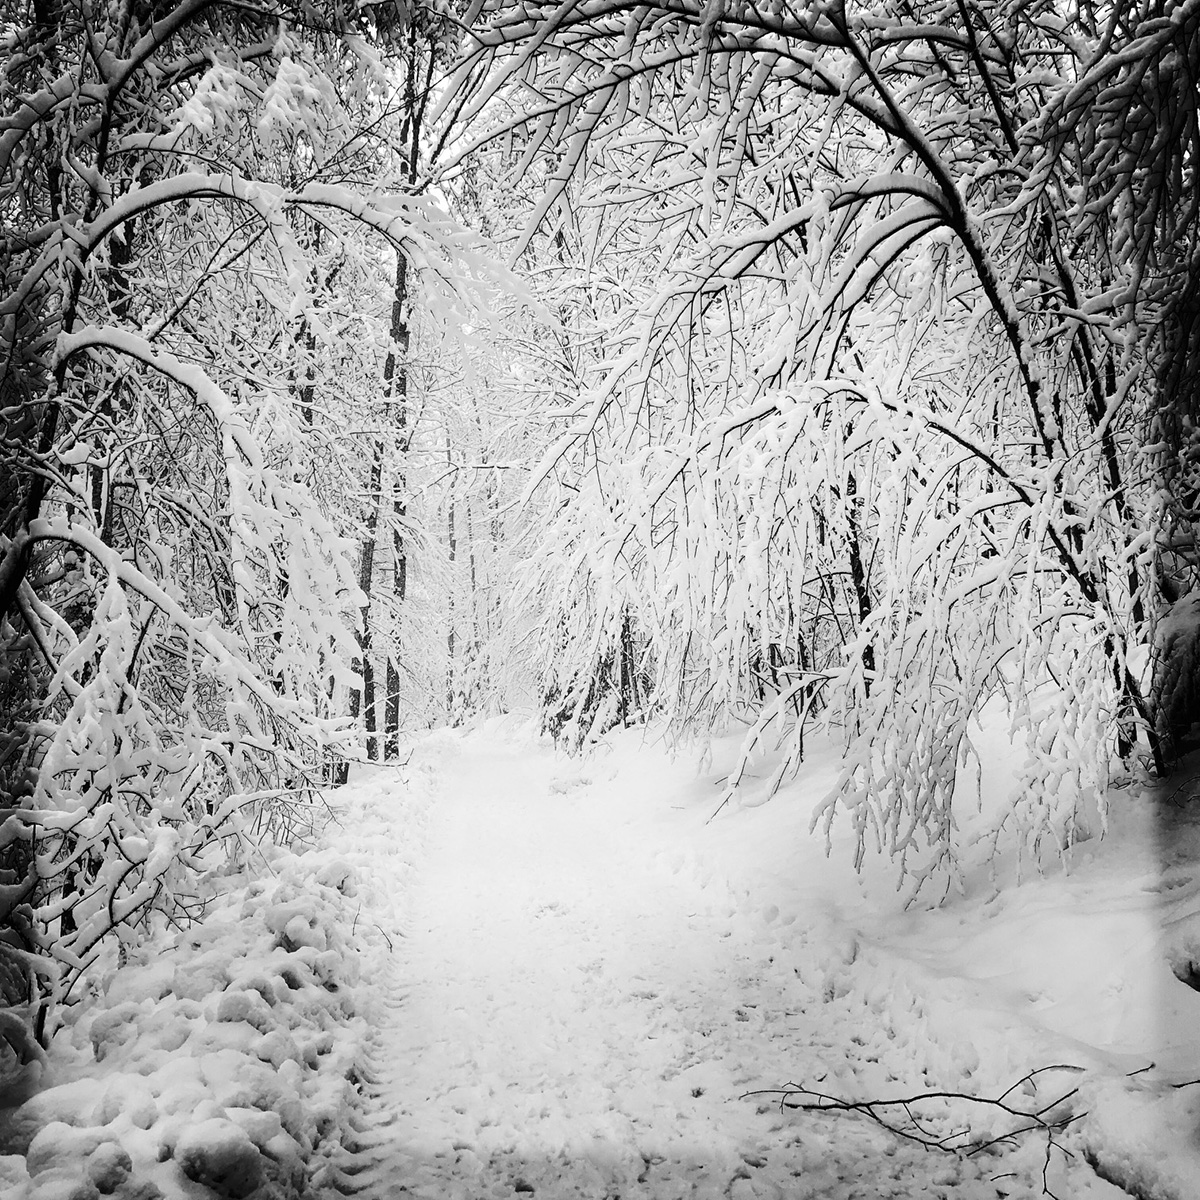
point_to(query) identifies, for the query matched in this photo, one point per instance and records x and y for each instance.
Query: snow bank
(1083, 966)
(228, 1060)
(1146, 1142)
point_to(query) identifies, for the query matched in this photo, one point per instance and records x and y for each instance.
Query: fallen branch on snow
(899, 1117)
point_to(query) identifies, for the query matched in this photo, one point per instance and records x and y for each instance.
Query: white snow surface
(524, 974)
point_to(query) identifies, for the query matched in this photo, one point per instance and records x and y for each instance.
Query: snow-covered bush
(232, 1059)
(616, 690)
(191, 326)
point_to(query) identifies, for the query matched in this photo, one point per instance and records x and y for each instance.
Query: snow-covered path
(495, 972)
(567, 1023)
(581, 1012)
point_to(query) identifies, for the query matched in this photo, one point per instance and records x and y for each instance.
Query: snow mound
(1146, 1142)
(229, 1060)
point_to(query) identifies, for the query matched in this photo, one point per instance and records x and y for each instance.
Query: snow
(503, 971)
(225, 1060)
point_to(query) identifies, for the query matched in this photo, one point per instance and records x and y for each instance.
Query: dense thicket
(202, 205)
(890, 410)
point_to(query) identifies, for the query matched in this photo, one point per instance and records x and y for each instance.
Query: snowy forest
(807, 391)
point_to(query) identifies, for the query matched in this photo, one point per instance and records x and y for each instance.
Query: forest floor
(594, 977)
(570, 983)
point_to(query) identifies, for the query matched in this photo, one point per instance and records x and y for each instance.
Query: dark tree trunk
(858, 576)
(395, 375)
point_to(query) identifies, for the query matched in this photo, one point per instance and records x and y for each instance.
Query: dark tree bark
(395, 374)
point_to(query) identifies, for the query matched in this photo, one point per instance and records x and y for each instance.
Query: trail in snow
(496, 973)
(580, 1014)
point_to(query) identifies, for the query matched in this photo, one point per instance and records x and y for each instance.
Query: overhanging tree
(908, 405)
(195, 204)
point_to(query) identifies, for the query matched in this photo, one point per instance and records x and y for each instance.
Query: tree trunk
(366, 572)
(858, 577)
(395, 375)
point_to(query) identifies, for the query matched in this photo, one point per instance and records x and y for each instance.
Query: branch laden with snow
(870, 361)
(191, 324)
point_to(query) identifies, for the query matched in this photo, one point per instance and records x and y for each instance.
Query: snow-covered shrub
(230, 1060)
(617, 690)
(181, 451)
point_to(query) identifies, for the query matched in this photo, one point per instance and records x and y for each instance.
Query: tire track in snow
(574, 1018)
(353, 1167)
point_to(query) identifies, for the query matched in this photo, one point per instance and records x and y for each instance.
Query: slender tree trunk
(366, 574)
(395, 380)
(395, 375)
(858, 576)
(474, 683)
(370, 706)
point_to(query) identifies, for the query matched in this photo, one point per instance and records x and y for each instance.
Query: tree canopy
(892, 413)
(197, 201)
(843, 372)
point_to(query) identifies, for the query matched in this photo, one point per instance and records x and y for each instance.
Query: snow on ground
(594, 978)
(556, 977)
(228, 1059)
